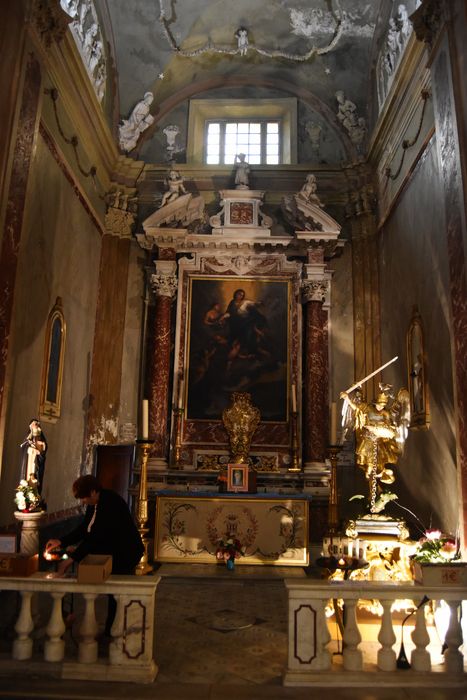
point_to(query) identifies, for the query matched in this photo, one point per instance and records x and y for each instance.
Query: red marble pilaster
(164, 285)
(14, 213)
(315, 427)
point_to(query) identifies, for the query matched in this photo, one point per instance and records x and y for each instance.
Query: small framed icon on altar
(237, 477)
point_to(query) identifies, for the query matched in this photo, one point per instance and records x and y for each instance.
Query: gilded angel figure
(381, 428)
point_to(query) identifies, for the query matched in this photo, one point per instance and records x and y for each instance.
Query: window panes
(259, 141)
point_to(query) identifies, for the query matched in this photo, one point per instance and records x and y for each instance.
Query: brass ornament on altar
(240, 421)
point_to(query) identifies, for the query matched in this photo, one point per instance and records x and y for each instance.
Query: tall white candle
(180, 394)
(294, 399)
(333, 423)
(145, 419)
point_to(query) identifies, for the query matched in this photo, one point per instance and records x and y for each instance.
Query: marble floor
(216, 642)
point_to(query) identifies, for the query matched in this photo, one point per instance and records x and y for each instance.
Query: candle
(333, 423)
(145, 420)
(294, 399)
(350, 548)
(180, 394)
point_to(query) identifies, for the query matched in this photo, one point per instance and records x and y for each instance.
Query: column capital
(164, 281)
(316, 290)
(119, 222)
(428, 19)
(49, 21)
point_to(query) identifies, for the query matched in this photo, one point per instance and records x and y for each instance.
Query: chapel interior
(212, 198)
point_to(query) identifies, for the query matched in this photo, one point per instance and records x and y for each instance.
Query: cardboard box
(95, 568)
(18, 564)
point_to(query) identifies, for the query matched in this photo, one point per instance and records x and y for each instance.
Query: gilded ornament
(240, 420)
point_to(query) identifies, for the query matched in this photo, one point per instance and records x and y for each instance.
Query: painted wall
(59, 256)
(414, 270)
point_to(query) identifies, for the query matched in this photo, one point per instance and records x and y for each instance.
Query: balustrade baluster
(387, 638)
(453, 657)
(22, 646)
(420, 658)
(54, 649)
(88, 646)
(353, 657)
(116, 645)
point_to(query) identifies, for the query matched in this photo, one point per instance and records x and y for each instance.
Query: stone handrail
(130, 655)
(310, 661)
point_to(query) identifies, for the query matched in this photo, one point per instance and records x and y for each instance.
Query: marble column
(315, 292)
(164, 285)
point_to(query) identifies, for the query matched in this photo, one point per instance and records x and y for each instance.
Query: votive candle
(145, 419)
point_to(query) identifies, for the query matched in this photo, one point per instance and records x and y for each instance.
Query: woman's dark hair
(83, 486)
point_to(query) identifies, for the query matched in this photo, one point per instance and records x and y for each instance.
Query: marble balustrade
(130, 653)
(310, 661)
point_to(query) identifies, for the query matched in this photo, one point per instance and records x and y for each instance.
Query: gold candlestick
(333, 509)
(295, 466)
(177, 451)
(143, 566)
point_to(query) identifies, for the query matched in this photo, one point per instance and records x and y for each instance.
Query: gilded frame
(237, 478)
(417, 374)
(52, 371)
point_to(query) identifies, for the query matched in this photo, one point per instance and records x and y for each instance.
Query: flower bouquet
(27, 496)
(436, 548)
(436, 560)
(228, 550)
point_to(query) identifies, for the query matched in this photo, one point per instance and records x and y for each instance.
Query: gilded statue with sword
(381, 428)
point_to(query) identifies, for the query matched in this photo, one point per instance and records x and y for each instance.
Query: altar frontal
(271, 530)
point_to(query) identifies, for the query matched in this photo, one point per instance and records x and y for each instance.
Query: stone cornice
(183, 242)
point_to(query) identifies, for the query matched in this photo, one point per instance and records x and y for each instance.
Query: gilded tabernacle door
(236, 333)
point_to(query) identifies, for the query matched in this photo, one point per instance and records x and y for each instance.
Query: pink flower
(449, 547)
(433, 534)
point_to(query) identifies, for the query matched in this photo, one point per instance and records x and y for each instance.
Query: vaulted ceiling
(179, 49)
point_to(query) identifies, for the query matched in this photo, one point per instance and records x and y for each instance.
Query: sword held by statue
(369, 376)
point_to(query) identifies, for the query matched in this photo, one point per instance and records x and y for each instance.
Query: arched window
(52, 374)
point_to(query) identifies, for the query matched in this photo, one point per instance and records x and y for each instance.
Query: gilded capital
(119, 222)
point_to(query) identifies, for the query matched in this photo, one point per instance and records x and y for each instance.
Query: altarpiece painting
(238, 341)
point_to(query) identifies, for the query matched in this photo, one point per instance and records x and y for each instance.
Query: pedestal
(30, 523)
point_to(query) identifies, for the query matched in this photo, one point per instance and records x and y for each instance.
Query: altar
(272, 528)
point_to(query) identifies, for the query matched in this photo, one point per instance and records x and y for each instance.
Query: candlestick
(294, 399)
(333, 508)
(333, 423)
(143, 566)
(145, 420)
(180, 394)
(177, 439)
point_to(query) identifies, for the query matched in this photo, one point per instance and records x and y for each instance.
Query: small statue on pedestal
(34, 449)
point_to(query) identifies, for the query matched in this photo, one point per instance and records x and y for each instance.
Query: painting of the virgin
(238, 338)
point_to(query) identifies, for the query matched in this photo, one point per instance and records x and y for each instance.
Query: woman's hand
(52, 544)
